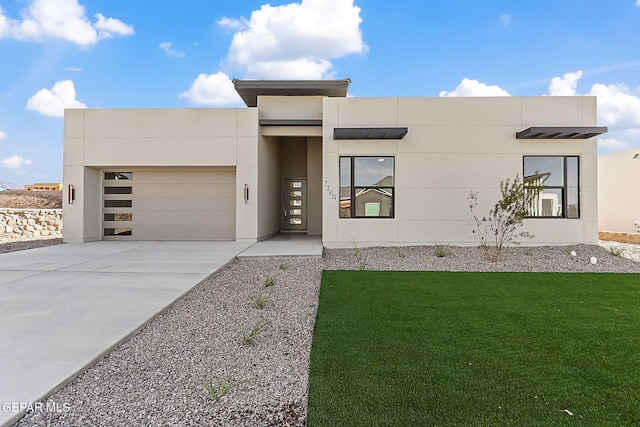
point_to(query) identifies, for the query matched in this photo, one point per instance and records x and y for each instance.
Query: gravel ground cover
(12, 245)
(159, 376)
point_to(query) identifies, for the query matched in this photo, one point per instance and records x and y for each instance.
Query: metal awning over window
(370, 133)
(564, 132)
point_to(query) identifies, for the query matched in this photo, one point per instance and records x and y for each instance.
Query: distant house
(56, 186)
(619, 191)
(303, 157)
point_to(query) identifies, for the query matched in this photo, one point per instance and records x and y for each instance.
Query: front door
(295, 204)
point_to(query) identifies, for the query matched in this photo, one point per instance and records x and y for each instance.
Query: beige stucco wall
(115, 138)
(314, 186)
(619, 191)
(269, 187)
(289, 107)
(455, 145)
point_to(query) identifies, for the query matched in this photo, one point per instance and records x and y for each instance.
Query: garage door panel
(221, 176)
(172, 204)
(184, 218)
(184, 190)
(167, 204)
(184, 232)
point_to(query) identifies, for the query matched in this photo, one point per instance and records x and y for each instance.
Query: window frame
(353, 188)
(564, 188)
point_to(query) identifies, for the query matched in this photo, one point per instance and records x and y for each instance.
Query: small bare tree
(500, 227)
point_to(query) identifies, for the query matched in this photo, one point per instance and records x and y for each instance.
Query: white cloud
(14, 162)
(297, 39)
(292, 70)
(74, 69)
(565, 85)
(235, 24)
(4, 24)
(638, 3)
(3, 135)
(53, 102)
(612, 144)
(212, 89)
(109, 27)
(469, 87)
(616, 107)
(168, 48)
(505, 19)
(61, 19)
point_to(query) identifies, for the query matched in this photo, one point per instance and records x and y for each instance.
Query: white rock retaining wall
(30, 223)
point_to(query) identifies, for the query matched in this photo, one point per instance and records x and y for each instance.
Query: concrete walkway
(285, 245)
(63, 307)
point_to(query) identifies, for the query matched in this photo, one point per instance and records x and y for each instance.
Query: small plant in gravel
(218, 391)
(257, 330)
(441, 250)
(261, 300)
(269, 281)
(361, 256)
(284, 264)
(616, 250)
(500, 227)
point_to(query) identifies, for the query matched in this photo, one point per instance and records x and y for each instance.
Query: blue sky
(57, 54)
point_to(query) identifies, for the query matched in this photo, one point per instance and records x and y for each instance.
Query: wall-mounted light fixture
(246, 193)
(71, 194)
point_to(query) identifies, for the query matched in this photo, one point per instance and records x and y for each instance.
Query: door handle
(285, 211)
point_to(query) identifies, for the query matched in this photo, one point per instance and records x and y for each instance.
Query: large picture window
(366, 187)
(552, 186)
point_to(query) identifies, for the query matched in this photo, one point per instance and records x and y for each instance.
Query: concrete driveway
(63, 307)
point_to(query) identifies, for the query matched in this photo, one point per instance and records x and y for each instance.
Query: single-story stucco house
(303, 157)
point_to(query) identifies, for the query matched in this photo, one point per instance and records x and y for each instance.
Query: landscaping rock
(158, 376)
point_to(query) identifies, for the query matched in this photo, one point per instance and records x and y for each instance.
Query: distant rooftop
(249, 90)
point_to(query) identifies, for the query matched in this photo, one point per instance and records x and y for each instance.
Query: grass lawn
(443, 348)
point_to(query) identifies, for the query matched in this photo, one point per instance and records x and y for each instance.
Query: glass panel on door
(295, 209)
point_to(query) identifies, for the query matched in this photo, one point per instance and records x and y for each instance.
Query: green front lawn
(443, 348)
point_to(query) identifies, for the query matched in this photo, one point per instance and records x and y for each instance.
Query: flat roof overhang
(249, 90)
(562, 132)
(370, 133)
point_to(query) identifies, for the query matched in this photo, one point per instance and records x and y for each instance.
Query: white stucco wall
(619, 191)
(154, 138)
(455, 145)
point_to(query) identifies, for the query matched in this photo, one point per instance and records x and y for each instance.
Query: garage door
(169, 204)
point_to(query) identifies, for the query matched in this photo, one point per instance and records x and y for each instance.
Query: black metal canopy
(562, 132)
(370, 133)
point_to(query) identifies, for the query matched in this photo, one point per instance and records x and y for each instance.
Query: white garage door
(169, 204)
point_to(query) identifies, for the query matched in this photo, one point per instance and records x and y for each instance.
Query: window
(117, 232)
(366, 187)
(552, 186)
(118, 190)
(115, 176)
(118, 203)
(118, 217)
